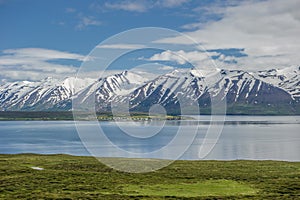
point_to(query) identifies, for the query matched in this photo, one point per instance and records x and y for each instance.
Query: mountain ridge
(245, 92)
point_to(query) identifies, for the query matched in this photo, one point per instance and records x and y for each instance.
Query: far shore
(68, 116)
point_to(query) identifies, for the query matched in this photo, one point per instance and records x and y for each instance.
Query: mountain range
(261, 92)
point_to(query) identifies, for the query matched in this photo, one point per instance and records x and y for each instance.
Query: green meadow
(30, 176)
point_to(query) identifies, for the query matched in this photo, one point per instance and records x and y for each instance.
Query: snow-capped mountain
(42, 95)
(182, 87)
(238, 86)
(287, 79)
(105, 90)
(167, 90)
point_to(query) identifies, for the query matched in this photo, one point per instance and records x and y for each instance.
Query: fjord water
(243, 137)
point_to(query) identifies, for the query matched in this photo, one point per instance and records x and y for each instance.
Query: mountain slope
(242, 87)
(42, 95)
(287, 79)
(270, 91)
(169, 90)
(105, 90)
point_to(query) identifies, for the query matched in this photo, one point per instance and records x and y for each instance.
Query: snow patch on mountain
(287, 79)
(140, 91)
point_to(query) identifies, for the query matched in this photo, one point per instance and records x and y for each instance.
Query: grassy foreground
(73, 177)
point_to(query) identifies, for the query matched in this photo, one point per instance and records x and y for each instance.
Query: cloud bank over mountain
(267, 32)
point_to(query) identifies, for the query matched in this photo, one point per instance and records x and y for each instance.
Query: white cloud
(192, 26)
(142, 5)
(36, 63)
(182, 57)
(85, 21)
(42, 54)
(31, 75)
(223, 58)
(268, 31)
(168, 56)
(135, 6)
(121, 46)
(166, 68)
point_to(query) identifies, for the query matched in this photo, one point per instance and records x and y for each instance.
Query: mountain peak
(237, 86)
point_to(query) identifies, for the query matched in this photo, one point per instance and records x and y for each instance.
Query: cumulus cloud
(36, 63)
(268, 31)
(168, 56)
(182, 57)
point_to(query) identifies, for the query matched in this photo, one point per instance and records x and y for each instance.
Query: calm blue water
(242, 137)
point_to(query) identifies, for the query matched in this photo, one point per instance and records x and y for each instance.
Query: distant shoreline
(149, 159)
(68, 116)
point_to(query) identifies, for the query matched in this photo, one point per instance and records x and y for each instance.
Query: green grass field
(73, 177)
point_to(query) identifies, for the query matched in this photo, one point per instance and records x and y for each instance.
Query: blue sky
(51, 38)
(59, 24)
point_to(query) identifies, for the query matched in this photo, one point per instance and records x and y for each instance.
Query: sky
(53, 38)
